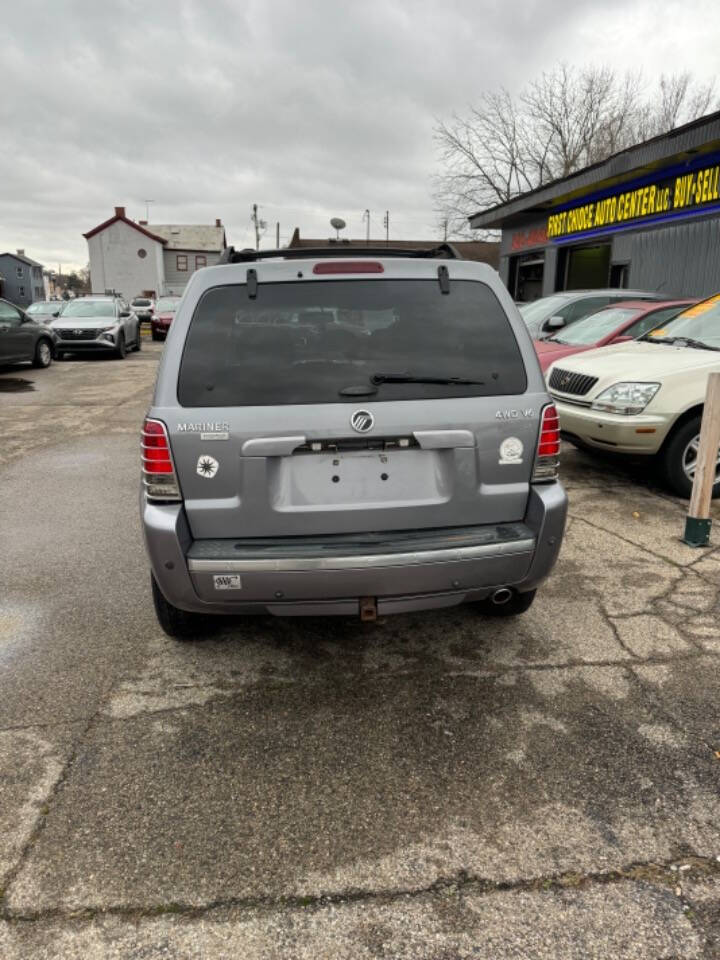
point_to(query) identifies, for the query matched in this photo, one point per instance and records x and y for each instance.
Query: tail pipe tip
(501, 596)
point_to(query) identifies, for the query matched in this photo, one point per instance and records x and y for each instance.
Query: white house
(137, 258)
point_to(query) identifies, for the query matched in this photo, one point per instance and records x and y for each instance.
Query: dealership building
(646, 218)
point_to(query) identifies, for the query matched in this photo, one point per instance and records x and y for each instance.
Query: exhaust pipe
(501, 596)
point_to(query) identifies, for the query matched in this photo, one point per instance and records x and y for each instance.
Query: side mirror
(124, 313)
(555, 323)
(57, 313)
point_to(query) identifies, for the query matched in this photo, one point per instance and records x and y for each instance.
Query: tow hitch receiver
(368, 608)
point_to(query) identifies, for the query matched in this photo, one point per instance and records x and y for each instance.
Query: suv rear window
(305, 342)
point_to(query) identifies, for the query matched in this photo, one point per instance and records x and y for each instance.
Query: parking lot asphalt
(426, 786)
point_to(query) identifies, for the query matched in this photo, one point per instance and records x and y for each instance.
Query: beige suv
(644, 397)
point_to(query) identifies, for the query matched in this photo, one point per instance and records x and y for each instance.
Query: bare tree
(560, 122)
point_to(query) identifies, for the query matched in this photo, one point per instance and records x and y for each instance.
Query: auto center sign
(687, 193)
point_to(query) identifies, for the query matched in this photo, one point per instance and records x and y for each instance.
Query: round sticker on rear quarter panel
(511, 450)
(207, 466)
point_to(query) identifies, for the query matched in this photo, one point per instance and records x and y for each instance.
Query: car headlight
(626, 398)
(107, 334)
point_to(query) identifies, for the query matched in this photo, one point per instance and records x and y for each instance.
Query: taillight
(158, 469)
(548, 448)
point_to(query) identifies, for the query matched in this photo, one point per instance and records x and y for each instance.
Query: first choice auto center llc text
(688, 190)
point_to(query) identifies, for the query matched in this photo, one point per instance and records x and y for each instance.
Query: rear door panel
(296, 493)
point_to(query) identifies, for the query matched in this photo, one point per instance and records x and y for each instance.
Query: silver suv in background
(355, 433)
(97, 324)
(548, 315)
(143, 308)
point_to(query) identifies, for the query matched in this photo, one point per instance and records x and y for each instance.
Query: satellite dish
(338, 224)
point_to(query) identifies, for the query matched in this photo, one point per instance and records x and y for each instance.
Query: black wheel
(138, 340)
(679, 459)
(156, 335)
(121, 349)
(43, 353)
(517, 604)
(176, 623)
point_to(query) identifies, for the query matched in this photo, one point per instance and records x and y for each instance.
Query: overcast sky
(311, 108)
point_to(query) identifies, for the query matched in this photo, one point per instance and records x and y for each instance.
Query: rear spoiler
(445, 251)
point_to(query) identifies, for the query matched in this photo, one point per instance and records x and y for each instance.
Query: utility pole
(277, 235)
(386, 224)
(445, 230)
(259, 225)
(147, 210)
(366, 218)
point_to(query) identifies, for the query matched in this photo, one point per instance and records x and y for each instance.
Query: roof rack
(444, 251)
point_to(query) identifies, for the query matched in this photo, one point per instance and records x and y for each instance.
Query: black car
(22, 338)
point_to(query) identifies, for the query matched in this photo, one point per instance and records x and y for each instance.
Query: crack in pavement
(664, 874)
(639, 546)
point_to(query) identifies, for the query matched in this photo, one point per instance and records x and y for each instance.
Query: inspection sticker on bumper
(227, 581)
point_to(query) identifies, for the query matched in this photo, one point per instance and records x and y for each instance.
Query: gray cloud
(310, 109)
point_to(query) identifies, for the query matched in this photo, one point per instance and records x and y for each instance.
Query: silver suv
(346, 431)
(97, 324)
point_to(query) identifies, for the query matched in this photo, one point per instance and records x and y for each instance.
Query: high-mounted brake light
(158, 470)
(548, 449)
(349, 266)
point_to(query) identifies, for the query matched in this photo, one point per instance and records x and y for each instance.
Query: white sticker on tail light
(511, 450)
(207, 466)
(227, 581)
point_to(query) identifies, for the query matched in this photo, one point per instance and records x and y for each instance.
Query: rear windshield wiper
(419, 378)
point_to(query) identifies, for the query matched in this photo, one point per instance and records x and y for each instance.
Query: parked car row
(50, 329)
(631, 378)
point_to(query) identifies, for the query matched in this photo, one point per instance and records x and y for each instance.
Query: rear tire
(43, 353)
(157, 336)
(678, 458)
(177, 623)
(121, 350)
(138, 340)
(519, 603)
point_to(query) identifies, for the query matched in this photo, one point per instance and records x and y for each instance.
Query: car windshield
(89, 308)
(140, 302)
(43, 307)
(167, 305)
(700, 322)
(595, 327)
(334, 340)
(542, 308)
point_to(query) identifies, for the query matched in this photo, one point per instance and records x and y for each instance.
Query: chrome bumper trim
(446, 555)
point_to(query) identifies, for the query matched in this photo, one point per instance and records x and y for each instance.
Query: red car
(162, 318)
(626, 320)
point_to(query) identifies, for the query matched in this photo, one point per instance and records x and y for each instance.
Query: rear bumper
(466, 566)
